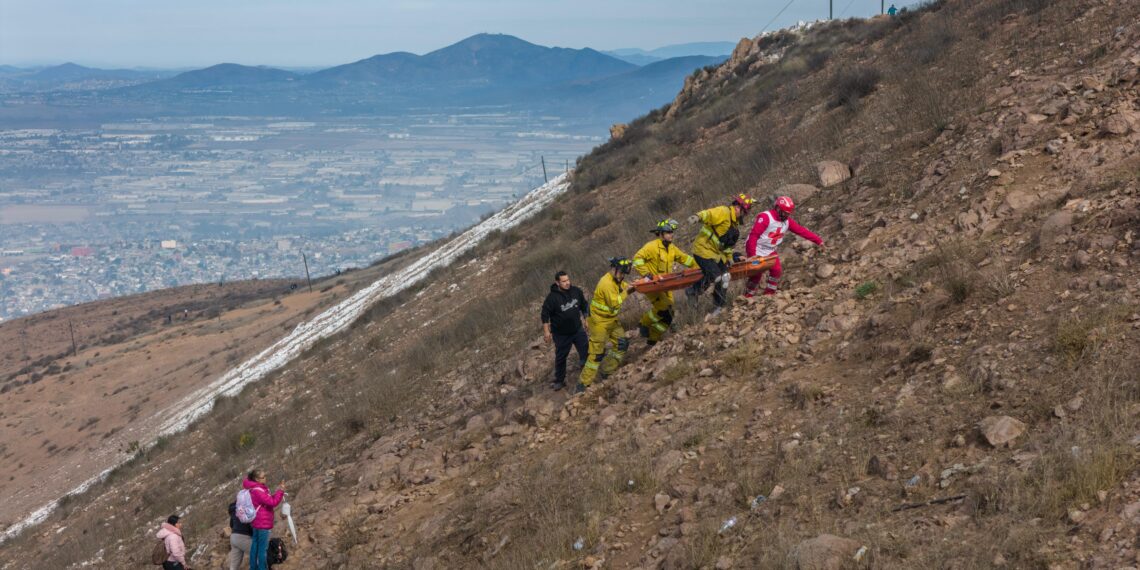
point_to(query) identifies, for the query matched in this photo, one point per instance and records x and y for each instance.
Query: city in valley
(139, 205)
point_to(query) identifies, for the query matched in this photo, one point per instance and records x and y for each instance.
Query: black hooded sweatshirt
(564, 310)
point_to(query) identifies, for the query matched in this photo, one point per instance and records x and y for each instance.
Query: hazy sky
(299, 33)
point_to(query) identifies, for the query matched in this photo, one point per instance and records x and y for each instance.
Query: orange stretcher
(681, 279)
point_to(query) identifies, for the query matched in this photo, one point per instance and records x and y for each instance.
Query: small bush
(851, 85)
(866, 289)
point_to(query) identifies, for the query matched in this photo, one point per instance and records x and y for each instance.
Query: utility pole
(830, 9)
(307, 278)
(882, 10)
(74, 347)
(544, 178)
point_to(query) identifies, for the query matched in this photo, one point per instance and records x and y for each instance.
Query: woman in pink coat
(171, 536)
(262, 523)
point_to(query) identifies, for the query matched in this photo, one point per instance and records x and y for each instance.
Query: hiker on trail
(713, 247)
(768, 231)
(171, 535)
(657, 258)
(564, 314)
(603, 326)
(241, 536)
(892, 10)
(263, 522)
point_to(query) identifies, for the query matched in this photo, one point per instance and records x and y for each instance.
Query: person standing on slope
(241, 536)
(563, 314)
(263, 521)
(713, 247)
(603, 326)
(657, 258)
(171, 536)
(768, 231)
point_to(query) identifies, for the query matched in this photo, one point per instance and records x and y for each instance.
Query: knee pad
(622, 344)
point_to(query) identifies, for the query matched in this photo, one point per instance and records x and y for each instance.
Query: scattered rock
(824, 271)
(1078, 261)
(1000, 431)
(825, 552)
(1055, 225)
(1115, 124)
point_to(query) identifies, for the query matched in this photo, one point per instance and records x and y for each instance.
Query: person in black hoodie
(241, 537)
(563, 314)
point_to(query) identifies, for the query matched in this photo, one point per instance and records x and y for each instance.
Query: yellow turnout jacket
(716, 221)
(608, 297)
(656, 258)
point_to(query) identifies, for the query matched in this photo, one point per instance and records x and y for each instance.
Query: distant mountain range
(638, 56)
(486, 70)
(73, 76)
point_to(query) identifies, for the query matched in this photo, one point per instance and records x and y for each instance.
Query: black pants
(711, 270)
(172, 566)
(562, 346)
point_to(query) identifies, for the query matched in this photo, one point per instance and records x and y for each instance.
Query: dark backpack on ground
(158, 555)
(277, 552)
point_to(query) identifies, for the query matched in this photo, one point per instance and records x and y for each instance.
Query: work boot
(643, 331)
(556, 386)
(579, 388)
(749, 293)
(651, 342)
(714, 314)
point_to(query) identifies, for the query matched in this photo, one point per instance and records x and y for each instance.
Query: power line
(778, 14)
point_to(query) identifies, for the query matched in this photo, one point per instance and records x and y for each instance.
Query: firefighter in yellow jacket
(657, 258)
(714, 244)
(603, 327)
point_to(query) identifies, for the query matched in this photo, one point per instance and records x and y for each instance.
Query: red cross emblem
(775, 235)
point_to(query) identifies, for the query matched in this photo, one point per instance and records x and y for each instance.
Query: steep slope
(981, 263)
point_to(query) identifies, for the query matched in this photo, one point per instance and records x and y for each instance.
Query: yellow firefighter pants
(602, 331)
(659, 318)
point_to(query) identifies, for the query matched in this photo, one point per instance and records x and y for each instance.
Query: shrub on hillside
(850, 85)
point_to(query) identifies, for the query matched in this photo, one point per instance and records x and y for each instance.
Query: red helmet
(785, 204)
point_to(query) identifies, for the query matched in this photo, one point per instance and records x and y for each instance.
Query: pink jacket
(176, 549)
(263, 502)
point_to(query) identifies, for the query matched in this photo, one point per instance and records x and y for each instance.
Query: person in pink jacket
(768, 232)
(171, 536)
(262, 523)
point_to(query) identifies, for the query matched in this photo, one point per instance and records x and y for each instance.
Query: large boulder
(832, 172)
(826, 552)
(1000, 431)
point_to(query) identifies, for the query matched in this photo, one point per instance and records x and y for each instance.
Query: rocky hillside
(953, 384)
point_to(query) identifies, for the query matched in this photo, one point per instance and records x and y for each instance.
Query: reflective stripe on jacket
(608, 297)
(657, 258)
(716, 222)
